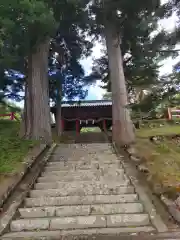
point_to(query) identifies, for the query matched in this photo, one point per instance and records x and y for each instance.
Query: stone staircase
(91, 137)
(83, 190)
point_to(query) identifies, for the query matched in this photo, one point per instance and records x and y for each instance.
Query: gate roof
(85, 109)
(92, 103)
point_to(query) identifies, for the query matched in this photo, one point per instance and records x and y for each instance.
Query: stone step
(81, 210)
(96, 176)
(87, 161)
(71, 179)
(80, 184)
(86, 172)
(64, 166)
(104, 158)
(84, 169)
(79, 222)
(88, 190)
(84, 200)
(56, 235)
(66, 175)
(82, 146)
(59, 178)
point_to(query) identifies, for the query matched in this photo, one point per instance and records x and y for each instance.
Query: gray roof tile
(93, 103)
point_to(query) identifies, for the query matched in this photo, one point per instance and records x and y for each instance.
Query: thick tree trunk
(41, 124)
(122, 131)
(36, 124)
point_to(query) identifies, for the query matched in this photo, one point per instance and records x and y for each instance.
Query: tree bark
(37, 122)
(122, 129)
(41, 124)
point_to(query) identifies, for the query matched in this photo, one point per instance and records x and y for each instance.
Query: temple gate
(76, 115)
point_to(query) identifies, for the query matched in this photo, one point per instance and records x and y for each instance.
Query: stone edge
(11, 211)
(148, 205)
(26, 164)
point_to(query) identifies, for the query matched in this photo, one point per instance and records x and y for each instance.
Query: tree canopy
(42, 42)
(143, 46)
(68, 43)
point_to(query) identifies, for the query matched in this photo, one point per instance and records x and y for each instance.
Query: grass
(162, 158)
(90, 129)
(12, 148)
(164, 131)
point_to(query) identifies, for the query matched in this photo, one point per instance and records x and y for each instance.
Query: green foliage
(107, 96)
(12, 148)
(25, 23)
(165, 130)
(162, 95)
(90, 129)
(25, 20)
(142, 48)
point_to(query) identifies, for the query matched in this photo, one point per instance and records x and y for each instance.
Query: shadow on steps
(91, 137)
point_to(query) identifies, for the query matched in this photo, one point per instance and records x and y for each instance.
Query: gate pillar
(104, 126)
(77, 127)
(62, 125)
